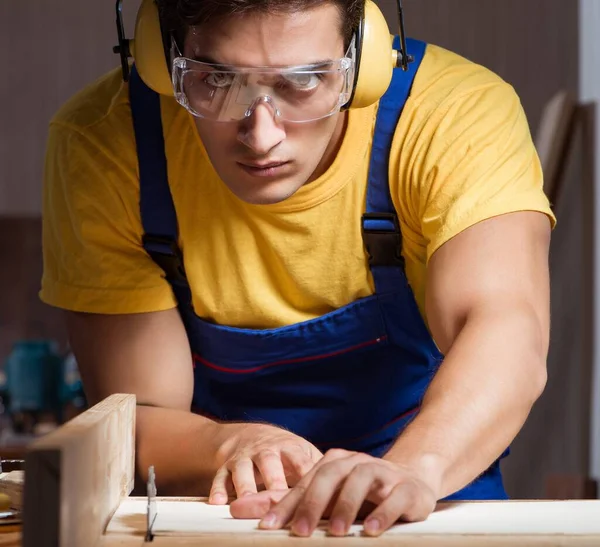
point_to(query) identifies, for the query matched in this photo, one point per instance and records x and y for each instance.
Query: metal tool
(152, 511)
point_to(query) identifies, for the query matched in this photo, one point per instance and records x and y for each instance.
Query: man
(221, 266)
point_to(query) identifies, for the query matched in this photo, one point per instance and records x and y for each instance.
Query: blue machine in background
(39, 381)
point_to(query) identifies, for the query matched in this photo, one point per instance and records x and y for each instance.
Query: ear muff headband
(376, 58)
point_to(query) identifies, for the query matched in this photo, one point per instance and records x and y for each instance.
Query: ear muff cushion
(148, 50)
(377, 59)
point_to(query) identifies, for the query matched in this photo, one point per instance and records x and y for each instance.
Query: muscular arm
(488, 310)
(148, 355)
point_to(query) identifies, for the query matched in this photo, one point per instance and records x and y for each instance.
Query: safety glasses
(294, 94)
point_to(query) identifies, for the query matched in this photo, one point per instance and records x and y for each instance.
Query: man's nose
(260, 131)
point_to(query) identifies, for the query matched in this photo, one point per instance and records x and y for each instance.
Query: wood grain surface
(383, 541)
(77, 475)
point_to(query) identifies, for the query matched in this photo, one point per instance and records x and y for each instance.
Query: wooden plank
(76, 476)
(383, 541)
(197, 518)
(492, 524)
(574, 314)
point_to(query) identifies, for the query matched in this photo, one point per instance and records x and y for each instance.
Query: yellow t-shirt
(462, 153)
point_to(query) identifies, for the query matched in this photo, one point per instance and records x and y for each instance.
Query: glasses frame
(181, 65)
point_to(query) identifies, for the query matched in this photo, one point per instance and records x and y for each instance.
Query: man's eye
(219, 79)
(303, 80)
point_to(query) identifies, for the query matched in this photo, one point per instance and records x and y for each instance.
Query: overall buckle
(383, 239)
(167, 254)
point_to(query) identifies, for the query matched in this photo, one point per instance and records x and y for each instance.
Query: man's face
(260, 158)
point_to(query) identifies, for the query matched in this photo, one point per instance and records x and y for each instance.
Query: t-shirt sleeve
(478, 161)
(93, 260)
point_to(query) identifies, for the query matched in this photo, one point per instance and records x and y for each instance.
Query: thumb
(256, 506)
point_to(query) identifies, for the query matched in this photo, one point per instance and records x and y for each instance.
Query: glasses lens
(298, 95)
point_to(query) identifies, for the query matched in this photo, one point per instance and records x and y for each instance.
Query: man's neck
(332, 148)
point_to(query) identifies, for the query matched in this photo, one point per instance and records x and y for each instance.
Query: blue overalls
(352, 378)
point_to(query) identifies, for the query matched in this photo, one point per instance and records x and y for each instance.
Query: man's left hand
(343, 486)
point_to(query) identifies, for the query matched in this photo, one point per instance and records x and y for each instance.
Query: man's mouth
(265, 169)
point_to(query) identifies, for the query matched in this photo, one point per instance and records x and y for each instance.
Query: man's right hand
(260, 456)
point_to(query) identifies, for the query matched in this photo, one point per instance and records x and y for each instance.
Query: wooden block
(76, 476)
(11, 484)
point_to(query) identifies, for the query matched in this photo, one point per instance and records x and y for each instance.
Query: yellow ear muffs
(375, 61)
(147, 48)
(376, 58)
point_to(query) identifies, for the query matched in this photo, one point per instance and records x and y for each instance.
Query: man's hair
(178, 15)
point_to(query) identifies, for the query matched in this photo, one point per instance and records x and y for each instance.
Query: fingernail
(218, 498)
(372, 526)
(268, 521)
(338, 527)
(300, 528)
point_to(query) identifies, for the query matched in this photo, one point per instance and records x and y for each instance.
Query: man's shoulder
(445, 77)
(102, 99)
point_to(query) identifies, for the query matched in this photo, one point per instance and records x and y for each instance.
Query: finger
(296, 463)
(279, 515)
(218, 491)
(242, 474)
(323, 488)
(283, 512)
(352, 496)
(256, 506)
(338, 454)
(406, 502)
(271, 470)
(310, 459)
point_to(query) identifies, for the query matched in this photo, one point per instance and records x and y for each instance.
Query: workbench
(78, 481)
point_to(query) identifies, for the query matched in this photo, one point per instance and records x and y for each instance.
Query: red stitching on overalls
(287, 361)
(367, 435)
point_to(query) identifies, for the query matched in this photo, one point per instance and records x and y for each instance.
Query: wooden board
(194, 522)
(76, 476)
(383, 541)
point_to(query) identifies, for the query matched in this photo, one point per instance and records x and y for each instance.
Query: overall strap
(159, 219)
(380, 225)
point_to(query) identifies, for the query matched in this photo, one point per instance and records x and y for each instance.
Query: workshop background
(549, 50)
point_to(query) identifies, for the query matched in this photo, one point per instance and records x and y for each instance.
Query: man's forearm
(479, 399)
(181, 446)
